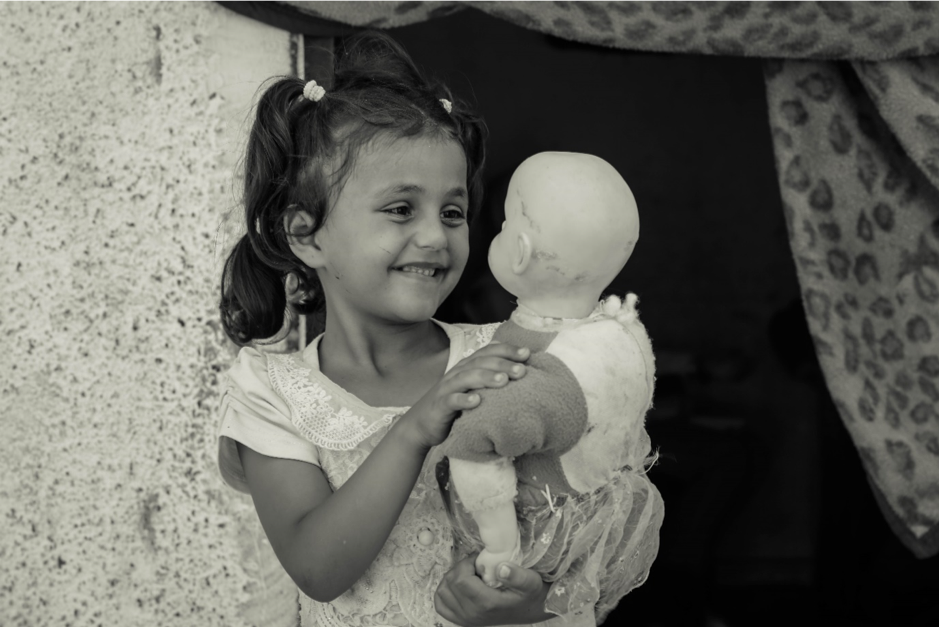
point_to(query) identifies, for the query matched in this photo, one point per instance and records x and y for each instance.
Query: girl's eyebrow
(458, 192)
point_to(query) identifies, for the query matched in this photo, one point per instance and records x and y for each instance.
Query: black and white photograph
(463, 314)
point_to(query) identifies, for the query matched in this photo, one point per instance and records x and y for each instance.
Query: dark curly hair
(377, 89)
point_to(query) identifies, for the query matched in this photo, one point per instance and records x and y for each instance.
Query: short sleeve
(252, 413)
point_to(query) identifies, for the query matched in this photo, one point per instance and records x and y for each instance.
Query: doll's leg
(498, 529)
(487, 490)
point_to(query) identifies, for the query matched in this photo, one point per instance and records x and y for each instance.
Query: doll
(549, 471)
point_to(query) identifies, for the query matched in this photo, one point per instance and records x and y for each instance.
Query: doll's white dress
(574, 429)
(283, 406)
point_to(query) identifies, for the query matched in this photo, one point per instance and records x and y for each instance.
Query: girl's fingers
(524, 581)
(460, 401)
(446, 604)
(448, 601)
(474, 379)
(507, 351)
(497, 364)
(498, 352)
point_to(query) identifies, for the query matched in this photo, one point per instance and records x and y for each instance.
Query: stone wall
(120, 125)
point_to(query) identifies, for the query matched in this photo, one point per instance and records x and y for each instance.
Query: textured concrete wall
(119, 127)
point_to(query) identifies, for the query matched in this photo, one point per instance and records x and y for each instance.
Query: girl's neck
(384, 365)
(377, 347)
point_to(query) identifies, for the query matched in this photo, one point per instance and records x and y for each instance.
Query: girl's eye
(453, 215)
(399, 210)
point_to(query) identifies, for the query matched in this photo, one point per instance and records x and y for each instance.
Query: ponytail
(253, 301)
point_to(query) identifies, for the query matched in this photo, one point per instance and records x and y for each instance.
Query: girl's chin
(417, 314)
(412, 313)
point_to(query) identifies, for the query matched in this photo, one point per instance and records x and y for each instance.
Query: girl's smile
(430, 270)
(396, 241)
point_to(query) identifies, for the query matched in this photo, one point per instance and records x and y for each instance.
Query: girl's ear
(522, 254)
(303, 246)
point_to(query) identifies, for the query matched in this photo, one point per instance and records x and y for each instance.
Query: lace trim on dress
(311, 409)
(484, 335)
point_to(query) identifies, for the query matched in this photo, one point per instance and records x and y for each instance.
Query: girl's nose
(431, 234)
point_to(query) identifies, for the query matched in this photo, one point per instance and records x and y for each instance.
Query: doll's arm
(545, 410)
(487, 491)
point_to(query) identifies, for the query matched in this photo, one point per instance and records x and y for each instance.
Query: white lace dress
(283, 406)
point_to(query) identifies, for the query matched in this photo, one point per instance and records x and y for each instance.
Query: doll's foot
(487, 562)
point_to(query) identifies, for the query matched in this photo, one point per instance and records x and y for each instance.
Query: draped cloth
(853, 102)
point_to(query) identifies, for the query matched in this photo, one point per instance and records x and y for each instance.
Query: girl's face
(396, 240)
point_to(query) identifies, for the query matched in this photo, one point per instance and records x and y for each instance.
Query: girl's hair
(300, 153)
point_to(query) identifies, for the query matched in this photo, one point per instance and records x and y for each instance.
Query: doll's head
(571, 223)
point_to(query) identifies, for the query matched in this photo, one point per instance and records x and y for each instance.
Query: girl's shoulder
(248, 372)
(257, 372)
(466, 339)
(253, 413)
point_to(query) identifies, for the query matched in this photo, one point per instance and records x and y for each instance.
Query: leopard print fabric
(857, 150)
(821, 30)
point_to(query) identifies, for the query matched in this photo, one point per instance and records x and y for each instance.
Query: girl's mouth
(420, 269)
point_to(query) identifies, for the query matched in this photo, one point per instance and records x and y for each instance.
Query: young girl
(364, 194)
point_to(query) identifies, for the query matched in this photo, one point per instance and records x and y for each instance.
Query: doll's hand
(487, 562)
(492, 366)
(464, 599)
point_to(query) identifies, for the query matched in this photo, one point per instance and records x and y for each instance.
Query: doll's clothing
(578, 414)
(283, 406)
(594, 547)
(574, 427)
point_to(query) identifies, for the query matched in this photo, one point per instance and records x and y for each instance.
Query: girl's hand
(464, 599)
(490, 367)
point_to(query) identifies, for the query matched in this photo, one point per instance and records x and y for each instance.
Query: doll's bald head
(571, 224)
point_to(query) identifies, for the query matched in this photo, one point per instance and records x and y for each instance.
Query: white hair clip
(447, 105)
(312, 91)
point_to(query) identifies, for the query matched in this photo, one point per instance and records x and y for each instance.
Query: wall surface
(119, 129)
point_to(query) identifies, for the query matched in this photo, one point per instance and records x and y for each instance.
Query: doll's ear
(297, 222)
(522, 254)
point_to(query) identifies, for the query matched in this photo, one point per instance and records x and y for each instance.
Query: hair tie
(447, 105)
(314, 92)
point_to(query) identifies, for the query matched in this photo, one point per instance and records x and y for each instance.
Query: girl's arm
(326, 540)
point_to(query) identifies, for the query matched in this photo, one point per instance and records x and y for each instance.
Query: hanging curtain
(857, 152)
(853, 97)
